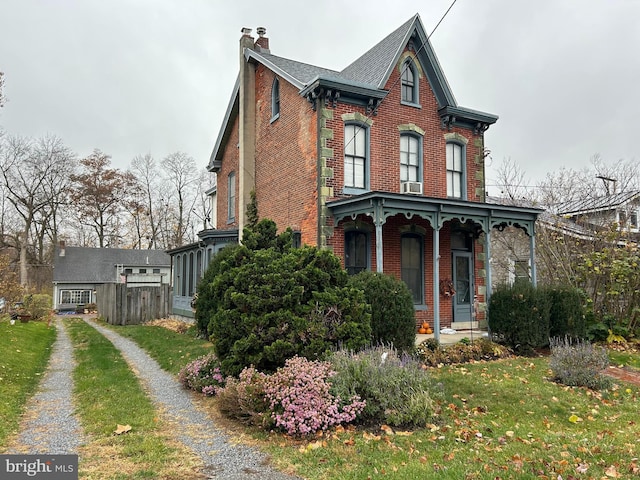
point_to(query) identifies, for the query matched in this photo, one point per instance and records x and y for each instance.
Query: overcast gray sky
(137, 76)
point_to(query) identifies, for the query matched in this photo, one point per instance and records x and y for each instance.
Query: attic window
(409, 85)
(275, 100)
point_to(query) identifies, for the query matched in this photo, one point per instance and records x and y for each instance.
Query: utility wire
(404, 69)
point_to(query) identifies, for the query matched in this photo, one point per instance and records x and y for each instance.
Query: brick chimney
(62, 249)
(263, 42)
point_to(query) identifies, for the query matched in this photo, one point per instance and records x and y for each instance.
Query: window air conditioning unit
(414, 188)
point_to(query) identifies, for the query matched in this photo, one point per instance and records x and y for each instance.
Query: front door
(463, 281)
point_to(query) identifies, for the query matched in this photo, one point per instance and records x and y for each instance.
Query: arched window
(275, 100)
(409, 83)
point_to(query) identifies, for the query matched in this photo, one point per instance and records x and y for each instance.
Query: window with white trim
(410, 155)
(456, 171)
(75, 296)
(356, 153)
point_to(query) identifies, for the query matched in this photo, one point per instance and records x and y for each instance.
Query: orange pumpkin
(422, 330)
(429, 331)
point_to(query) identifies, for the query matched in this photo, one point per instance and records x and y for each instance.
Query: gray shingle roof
(372, 67)
(301, 73)
(595, 204)
(98, 265)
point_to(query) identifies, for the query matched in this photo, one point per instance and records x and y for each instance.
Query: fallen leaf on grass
(122, 429)
(612, 472)
(574, 418)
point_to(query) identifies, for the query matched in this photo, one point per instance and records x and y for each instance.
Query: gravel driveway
(54, 430)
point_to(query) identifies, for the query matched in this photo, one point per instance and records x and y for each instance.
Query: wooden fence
(120, 305)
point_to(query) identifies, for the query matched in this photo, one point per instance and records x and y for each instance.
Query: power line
(404, 69)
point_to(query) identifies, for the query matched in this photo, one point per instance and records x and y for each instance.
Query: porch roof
(382, 205)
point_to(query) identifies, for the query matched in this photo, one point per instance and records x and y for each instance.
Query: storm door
(463, 283)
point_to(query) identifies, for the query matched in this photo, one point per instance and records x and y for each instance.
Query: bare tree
(2, 99)
(182, 176)
(99, 194)
(33, 175)
(149, 203)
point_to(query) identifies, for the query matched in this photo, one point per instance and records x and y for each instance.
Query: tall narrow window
(356, 251)
(409, 158)
(275, 99)
(231, 197)
(412, 266)
(455, 171)
(409, 85)
(355, 156)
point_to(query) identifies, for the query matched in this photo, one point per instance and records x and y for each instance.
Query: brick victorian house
(376, 162)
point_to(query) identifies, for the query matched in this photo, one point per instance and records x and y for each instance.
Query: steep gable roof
(98, 265)
(365, 78)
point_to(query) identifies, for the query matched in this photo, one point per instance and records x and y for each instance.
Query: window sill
(274, 118)
(410, 104)
(422, 308)
(354, 190)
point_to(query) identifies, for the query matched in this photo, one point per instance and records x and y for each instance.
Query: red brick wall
(286, 158)
(229, 164)
(385, 143)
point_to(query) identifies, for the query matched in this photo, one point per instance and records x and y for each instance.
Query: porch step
(464, 325)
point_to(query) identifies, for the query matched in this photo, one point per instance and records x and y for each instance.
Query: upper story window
(456, 171)
(409, 83)
(231, 197)
(275, 100)
(410, 155)
(356, 156)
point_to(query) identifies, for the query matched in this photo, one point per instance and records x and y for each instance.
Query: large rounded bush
(265, 304)
(392, 311)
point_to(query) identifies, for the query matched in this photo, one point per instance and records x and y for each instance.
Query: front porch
(440, 247)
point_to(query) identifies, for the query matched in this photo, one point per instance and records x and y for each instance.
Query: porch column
(487, 265)
(436, 282)
(532, 258)
(378, 221)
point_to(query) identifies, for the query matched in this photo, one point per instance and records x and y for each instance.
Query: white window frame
(356, 157)
(456, 170)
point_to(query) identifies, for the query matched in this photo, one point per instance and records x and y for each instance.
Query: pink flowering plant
(202, 375)
(300, 398)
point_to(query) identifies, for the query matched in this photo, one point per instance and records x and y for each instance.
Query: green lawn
(170, 349)
(24, 352)
(108, 394)
(502, 419)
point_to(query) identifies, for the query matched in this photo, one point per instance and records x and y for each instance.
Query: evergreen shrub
(579, 363)
(265, 304)
(519, 316)
(567, 315)
(392, 310)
